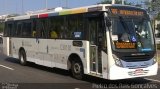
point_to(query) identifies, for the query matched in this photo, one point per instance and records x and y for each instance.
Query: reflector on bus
(43, 15)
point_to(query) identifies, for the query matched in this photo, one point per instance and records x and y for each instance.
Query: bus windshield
(131, 35)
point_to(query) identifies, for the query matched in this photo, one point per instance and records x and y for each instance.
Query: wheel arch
(73, 57)
(21, 48)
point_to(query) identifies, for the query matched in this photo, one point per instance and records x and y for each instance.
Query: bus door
(95, 47)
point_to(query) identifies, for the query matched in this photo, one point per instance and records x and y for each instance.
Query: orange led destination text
(127, 12)
(125, 45)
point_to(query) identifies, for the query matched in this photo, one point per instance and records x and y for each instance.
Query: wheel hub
(77, 68)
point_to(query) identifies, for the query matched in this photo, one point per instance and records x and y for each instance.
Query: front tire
(22, 57)
(77, 69)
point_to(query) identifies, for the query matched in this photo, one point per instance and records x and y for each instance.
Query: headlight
(155, 58)
(117, 61)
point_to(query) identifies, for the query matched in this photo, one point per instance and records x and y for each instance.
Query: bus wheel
(22, 57)
(77, 69)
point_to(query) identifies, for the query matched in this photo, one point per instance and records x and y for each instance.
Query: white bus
(107, 41)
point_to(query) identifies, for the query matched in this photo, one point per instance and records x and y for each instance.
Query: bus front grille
(136, 58)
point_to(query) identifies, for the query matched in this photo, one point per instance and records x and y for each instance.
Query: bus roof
(59, 12)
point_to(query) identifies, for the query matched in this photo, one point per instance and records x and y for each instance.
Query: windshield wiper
(125, 26)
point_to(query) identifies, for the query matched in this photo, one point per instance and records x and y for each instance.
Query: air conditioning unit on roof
(58, 9)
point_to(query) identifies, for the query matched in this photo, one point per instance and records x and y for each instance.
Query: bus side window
(19, 28)
(41, 29)
(8, 29)
(55, 27)
(34, 33)
(53, 34)
(26, 29)
(34, 29)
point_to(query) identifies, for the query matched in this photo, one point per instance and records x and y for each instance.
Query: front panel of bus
(132, 42)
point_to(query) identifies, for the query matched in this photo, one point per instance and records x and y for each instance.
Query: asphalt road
(32, 76)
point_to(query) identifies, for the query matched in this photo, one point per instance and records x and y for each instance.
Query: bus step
(95, 74)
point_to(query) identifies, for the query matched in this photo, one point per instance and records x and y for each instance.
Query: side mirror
(108, 22)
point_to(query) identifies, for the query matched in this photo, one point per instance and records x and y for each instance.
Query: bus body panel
(105, 70)
(50, 52)
(6, 46)
(44, 50)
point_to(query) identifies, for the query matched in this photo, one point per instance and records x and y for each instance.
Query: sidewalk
(158, 53)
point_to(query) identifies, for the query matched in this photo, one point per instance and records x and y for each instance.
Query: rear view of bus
(131, 42)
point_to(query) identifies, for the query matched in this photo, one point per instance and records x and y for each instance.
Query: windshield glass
(131, 35)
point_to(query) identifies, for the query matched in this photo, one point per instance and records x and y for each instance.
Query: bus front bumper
(117, 73)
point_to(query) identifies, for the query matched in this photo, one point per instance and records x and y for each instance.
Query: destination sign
(125, 45)
(127, 12)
